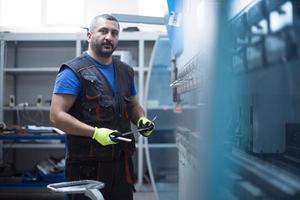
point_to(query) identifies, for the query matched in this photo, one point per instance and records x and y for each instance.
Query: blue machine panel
(175, 26)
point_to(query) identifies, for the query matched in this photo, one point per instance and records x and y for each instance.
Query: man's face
(104, 38)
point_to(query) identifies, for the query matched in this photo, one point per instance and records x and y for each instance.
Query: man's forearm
(71, 125)
(137, 112)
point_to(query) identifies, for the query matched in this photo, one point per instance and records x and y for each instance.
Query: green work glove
(102, 135)
(143, 122)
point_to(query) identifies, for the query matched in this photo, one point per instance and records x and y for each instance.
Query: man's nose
(109, 36)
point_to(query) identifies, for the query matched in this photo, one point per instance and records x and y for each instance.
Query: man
(94, 101)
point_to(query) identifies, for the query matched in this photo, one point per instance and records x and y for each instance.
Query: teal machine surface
(266, 116)
(245, 102)
(174, 23)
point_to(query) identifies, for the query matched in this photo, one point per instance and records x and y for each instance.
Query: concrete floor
(166, 191)
(21, 196)
(143, 196)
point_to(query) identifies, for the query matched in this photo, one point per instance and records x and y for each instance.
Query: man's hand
(143, 122)
(102, 135)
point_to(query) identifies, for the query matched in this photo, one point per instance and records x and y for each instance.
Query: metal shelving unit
(21, 69)
(31, 70)
(17, 69)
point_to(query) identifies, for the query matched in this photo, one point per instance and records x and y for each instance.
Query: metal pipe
(1, 77)
(2, 45)
(148, 160)
(141, 100)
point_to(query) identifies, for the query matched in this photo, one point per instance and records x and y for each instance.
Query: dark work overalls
(98, 106)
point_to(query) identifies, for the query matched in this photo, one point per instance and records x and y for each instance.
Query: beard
(101, 49)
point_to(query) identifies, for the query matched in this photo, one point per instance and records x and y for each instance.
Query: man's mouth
(107, 46)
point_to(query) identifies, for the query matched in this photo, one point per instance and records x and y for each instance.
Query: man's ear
(88, 36)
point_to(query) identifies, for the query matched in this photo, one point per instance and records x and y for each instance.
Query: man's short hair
(103, 16)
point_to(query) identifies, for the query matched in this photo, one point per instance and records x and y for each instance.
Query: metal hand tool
(120, 138)
(139, 129)
(130, 132)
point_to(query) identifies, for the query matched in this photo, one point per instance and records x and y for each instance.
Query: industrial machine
(237, 70)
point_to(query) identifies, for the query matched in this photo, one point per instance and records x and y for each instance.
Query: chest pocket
(98, 106)
(127, 107)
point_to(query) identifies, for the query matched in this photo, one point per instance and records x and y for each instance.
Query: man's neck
(100, 59)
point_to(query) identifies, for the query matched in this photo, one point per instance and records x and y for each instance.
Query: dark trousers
(118, 186)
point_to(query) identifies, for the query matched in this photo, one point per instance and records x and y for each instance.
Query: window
(20, 13)
(155, 8)
(65, 15)
(65, 12)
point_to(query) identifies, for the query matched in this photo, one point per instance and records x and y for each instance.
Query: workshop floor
(166, 191)
(137, 196)
(143, 196)
(21, 196)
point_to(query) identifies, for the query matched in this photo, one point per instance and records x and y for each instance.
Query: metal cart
(89, 188)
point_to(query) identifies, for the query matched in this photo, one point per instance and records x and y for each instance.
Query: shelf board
(32, 70)
(137, 68)
(35, 145)
(159, 145)
(42, 36)
(139, 35)
(31, 108)
(62, 145)
(170, 107)
(46, 70)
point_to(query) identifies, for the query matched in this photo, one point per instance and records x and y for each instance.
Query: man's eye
(115, 33)
(103, 31)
